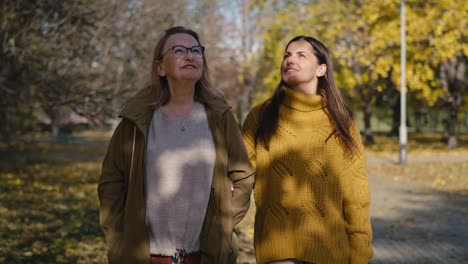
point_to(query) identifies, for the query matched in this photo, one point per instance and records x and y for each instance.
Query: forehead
(181, 39)
(300, 45)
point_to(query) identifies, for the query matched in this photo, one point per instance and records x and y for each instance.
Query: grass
(419, 144)
(430, 162)
(49, 213)
(49, 204)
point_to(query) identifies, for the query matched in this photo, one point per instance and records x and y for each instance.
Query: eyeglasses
(181, 51)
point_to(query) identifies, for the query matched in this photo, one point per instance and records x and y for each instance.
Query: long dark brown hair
(338, 111)
(204, 91)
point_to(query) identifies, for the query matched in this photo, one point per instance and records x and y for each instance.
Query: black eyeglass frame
(186, 51)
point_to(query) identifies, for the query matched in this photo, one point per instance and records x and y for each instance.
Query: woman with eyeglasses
(176, 178)
(311, 189)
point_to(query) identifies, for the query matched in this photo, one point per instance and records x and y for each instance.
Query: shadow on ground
(414, 224)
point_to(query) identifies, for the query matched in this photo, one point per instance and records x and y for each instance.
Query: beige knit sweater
(312, 197)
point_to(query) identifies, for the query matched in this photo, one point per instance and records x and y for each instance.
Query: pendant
(182, 129)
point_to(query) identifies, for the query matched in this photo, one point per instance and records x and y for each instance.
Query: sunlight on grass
(94, 134)
(427, 144)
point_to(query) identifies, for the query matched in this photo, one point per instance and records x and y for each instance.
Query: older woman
(176, 178)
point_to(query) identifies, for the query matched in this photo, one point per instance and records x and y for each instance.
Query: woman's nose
(290, 60)
(189, 55)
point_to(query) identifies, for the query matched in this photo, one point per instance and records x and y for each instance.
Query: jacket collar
(140, 108)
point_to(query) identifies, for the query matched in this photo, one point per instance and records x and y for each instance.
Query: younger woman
(311, 189)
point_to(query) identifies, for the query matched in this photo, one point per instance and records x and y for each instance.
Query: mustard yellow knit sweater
(312, 197)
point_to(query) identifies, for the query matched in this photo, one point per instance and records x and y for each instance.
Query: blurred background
(67, 67)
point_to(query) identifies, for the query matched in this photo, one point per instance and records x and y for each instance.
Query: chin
(192, 77)
(290, 82)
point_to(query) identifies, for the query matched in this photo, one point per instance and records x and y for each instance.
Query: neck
(307, 88)
(302, 102)
(181, 88)
(181, 101)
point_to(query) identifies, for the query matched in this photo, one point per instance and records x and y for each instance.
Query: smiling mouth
(189, 67)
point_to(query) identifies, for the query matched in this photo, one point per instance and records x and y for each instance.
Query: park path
(414, 224)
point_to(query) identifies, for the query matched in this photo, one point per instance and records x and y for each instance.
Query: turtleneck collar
(301, 101)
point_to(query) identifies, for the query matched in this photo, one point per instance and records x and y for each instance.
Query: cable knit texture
(312, 197)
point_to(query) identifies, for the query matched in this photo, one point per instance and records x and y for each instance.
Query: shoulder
(254, 113)
(141, 102)
(217, 107)
(124, 129)
(220, 116)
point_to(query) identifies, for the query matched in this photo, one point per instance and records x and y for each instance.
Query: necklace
(182, 125)
(182, 121)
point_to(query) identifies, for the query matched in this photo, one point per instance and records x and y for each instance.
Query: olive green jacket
(121, 187)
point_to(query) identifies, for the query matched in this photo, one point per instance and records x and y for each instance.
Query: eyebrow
(301, 51)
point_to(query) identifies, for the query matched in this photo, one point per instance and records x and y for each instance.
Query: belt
(192, 258)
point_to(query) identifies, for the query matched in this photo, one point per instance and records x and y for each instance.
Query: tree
(273, 21)
(359, 36)
(364, 38)
(48, 45)
(81, 55)
(125, 46)
(442, 47)
(452, 74)
(242, 35)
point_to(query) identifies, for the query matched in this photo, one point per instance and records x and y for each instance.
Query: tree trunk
(451, 124)
(394, 132)
(54, 115)
(54, 126)
(452, 77)
(368, 134)
(420, 115)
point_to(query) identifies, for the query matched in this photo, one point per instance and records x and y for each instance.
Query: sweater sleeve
(357, 202)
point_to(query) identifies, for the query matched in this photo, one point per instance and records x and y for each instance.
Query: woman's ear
(321, 70)
(158, 68)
